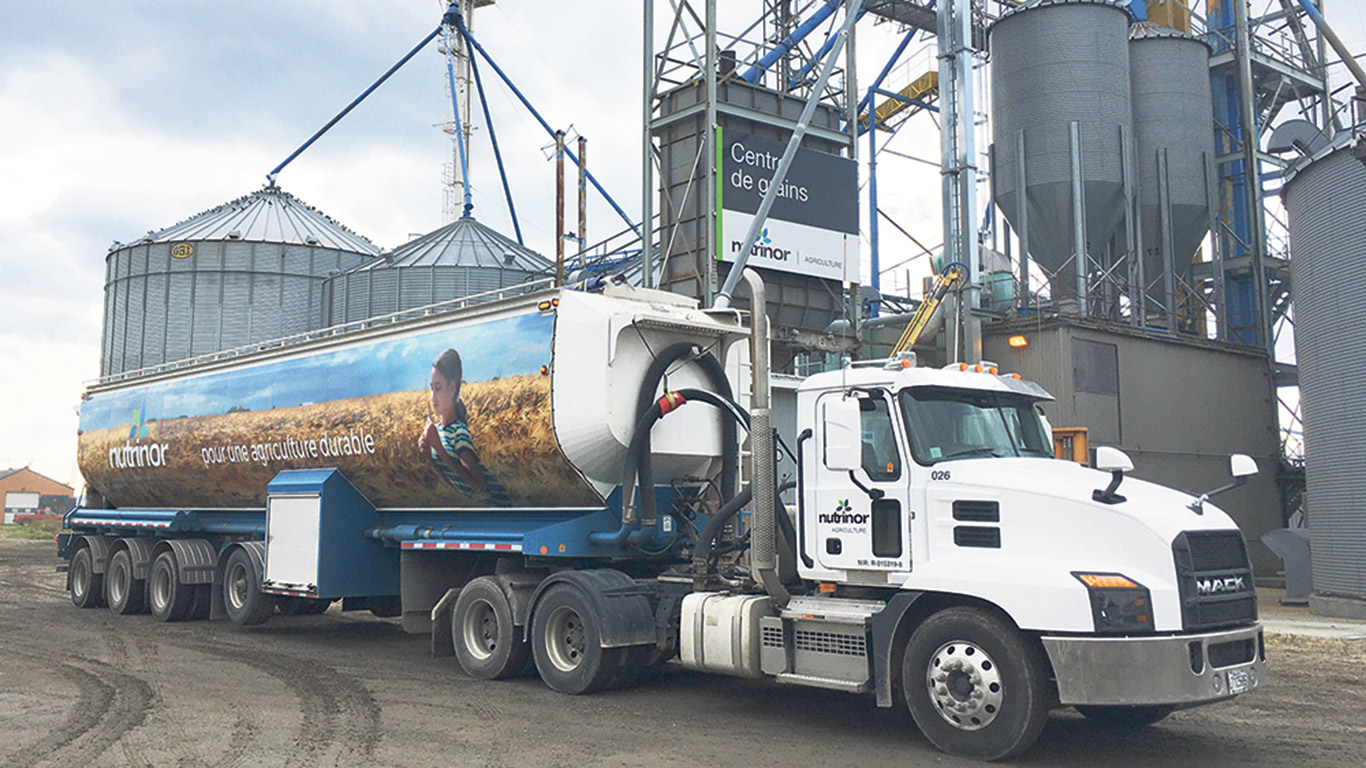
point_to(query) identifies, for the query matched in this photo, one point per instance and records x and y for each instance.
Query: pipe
(763, 554)
(583, 196)
(460, 24)
(270, 177)
(497, 153)
(559, 208)
(776, 183)
(459, 138)
(1347, 58)
(799, 34)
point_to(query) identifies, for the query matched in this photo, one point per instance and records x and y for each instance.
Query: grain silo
(1325, 199)
(246, 271)
(1173, 122)
(1060, 112)
(460, 259)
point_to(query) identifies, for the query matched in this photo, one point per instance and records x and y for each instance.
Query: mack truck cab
(988, 582)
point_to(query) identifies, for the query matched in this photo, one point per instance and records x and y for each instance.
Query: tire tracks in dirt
(108, 705)
(339, 716)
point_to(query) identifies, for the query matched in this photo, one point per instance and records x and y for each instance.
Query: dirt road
(88, 688)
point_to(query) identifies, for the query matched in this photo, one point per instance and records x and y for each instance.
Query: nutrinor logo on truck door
(812, 228)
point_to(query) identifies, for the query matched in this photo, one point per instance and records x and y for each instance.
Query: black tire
(487, 643)
(246, 604)
(1120, 717)
(975, 687)
(122, 592)
(167, 598)
(566, 643)
(87, 587)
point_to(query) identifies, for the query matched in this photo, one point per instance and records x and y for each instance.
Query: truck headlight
(1118, 603)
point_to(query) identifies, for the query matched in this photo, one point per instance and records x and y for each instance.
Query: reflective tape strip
(473, 545)
(122, 523)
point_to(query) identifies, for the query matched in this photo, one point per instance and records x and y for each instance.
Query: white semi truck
(586, 494)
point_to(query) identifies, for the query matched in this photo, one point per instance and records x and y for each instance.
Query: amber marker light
(1106, 581)
(1018, 341)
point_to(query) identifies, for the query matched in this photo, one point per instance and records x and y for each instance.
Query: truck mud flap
(624, 613)
(889, 631)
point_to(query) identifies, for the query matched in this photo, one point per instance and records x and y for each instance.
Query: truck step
(829, 683)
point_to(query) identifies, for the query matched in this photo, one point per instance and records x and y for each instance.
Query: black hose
(787, 567)
(644, 399)
(640, 441)
(643, 465)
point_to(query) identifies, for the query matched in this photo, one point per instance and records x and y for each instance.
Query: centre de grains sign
(812, 228)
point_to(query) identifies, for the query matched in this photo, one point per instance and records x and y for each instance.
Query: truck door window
(946, 424)
(880, 458)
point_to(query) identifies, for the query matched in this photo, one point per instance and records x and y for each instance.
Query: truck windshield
(946, 424)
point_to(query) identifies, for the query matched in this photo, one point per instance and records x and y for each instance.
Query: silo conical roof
(464, 243)
(269, 215)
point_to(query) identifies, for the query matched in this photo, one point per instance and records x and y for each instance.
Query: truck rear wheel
(1125, 717)
(973, 685)
(167, 598)
(246, 604)
(124, 593)
(566, 641)
(87, 587)
(487, 644)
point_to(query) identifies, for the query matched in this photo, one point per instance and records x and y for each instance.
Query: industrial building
(1140, 199)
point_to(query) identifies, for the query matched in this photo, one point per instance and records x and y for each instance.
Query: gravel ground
(88, 688)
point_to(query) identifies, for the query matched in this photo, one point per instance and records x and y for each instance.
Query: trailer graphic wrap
(216, 440)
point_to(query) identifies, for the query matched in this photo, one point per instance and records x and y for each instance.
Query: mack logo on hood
(1221, 586)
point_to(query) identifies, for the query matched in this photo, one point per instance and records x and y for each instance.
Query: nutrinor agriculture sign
(812, 228)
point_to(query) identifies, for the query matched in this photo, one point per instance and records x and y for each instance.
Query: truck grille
(1214, 577)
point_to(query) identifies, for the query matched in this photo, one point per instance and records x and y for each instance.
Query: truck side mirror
(1242, 465)
(843, 449)
(1113, 460)
(1116, 462)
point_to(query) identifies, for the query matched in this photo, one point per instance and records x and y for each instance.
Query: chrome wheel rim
(965, 685)
(117, 573)
(161, 588)
(480, 631)
(80, 577)
(239, 586)
(564, 639)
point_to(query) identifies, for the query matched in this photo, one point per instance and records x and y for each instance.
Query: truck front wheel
(566, 641)
(974, 686)
(487, 645)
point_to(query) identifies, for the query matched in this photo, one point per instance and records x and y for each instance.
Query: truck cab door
(856, 505)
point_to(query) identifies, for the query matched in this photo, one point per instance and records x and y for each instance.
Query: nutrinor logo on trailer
(812, 228)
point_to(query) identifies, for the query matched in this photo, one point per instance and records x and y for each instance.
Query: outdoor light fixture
(1018, 341)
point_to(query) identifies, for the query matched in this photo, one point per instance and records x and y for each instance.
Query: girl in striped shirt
(447, 440)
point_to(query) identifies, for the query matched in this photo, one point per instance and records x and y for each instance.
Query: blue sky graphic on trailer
(493, 350)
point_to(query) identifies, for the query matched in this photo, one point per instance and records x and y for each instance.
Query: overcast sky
(121, 118)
